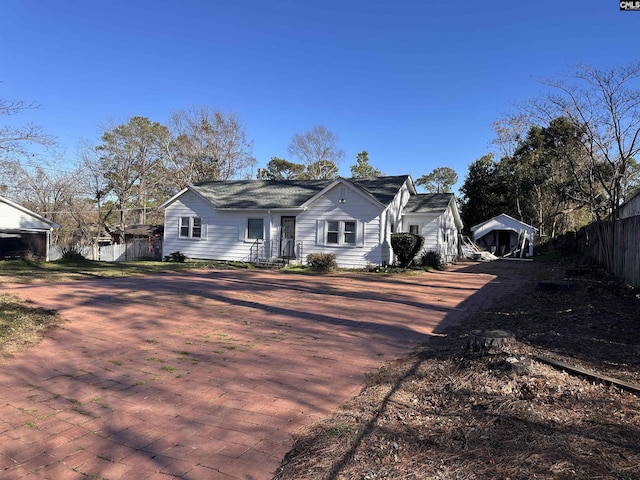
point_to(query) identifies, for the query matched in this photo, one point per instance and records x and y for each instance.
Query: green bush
(322, 262)
(175, 257)
(406, 246)
(432, 259)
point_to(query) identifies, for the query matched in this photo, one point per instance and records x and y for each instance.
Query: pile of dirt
(450, 411)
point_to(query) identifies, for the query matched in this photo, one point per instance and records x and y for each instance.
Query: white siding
(393, 216)
(223, 233)
(450, 237)
(439, 231)
(12, 218)
(310, 228)
(429, 228)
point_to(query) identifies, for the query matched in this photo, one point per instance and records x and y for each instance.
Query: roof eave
(166, 203)
(182, 192)
(31, 213)
(264, 209)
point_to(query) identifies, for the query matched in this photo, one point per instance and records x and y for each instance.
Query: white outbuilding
(504, 236)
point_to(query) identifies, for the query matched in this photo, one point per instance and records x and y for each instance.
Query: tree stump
(490, 341)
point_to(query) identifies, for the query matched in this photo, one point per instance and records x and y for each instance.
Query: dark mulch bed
(449, 412)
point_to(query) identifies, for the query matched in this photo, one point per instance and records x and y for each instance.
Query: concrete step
(275, 263)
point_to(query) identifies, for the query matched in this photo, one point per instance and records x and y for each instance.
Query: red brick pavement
(206, 374)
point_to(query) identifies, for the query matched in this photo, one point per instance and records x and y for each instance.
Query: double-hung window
(333, 233)
(349, 233)
(190, 227)
(342, 232)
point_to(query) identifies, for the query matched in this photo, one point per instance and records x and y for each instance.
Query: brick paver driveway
(206, 374)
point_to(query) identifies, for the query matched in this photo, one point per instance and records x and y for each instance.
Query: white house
(23, 232)
(503, 235)
(248, 220)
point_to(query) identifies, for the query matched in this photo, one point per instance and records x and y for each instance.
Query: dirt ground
(452, 412)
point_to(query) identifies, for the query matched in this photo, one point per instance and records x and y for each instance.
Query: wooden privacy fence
(616, 246)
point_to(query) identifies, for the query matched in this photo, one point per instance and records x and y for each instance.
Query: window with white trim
(341, 232)
(190, 227)
(415, 229)
(333, 232)
(349, 233)
(255, 229)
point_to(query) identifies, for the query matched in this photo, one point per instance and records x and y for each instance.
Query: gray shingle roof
(260, 194)
(382, 189)
(266, 194)
(428, 203)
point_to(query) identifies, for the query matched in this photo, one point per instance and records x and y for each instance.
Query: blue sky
(416, 83)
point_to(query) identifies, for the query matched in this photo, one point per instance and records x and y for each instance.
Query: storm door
(287, 237)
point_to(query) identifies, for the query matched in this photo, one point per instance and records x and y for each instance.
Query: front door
(287, 237)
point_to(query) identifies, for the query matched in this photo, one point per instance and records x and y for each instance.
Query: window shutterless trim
(191, 228)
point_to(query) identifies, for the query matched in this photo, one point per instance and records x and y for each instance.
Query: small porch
(275, 253)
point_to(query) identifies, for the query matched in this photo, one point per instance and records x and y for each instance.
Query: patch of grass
(29, 270)
(77, 407)
(168, 368)
(239, 265)
(296, 268)
(33, 425)
(21, 325)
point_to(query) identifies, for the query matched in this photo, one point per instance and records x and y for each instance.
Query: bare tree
(15, 139)
(208, 145)
(51, 190)
(96, 186)
(604, 104)
(318, 150)
(510, 130)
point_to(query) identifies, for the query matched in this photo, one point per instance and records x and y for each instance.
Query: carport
(504, 235)
(23, 233)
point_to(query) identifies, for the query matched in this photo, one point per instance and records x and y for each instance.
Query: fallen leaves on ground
(447, 412)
